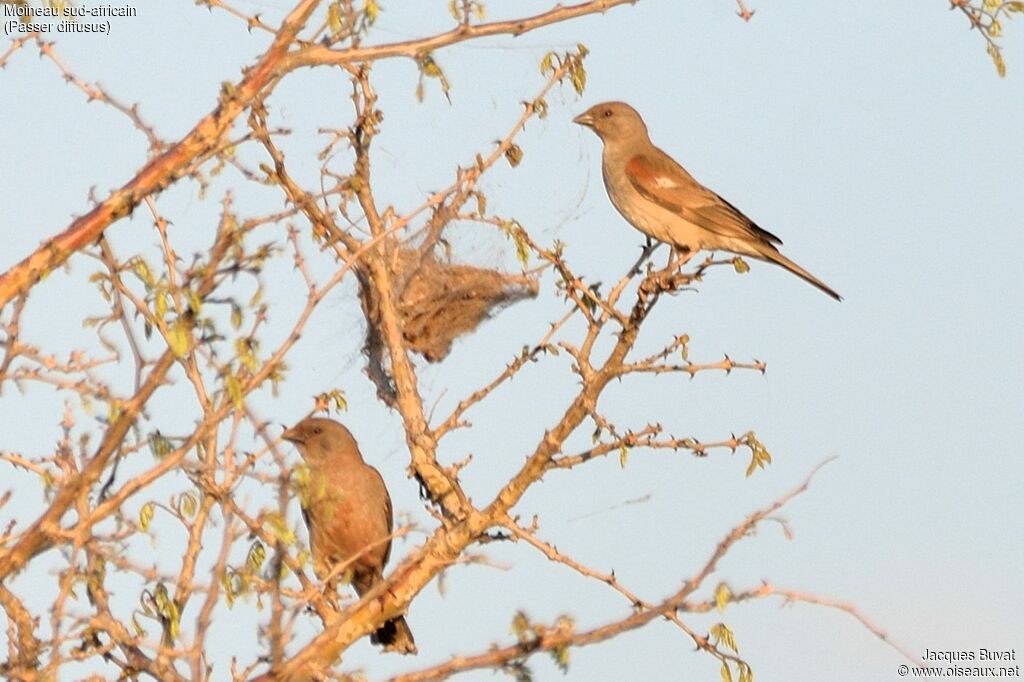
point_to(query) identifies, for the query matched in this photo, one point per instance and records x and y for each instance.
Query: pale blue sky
(879, 145)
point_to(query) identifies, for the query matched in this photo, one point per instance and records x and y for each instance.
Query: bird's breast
(648, 217)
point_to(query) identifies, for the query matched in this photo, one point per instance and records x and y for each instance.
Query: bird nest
(437, 303)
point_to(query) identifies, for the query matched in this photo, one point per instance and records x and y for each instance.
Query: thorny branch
(192, 339)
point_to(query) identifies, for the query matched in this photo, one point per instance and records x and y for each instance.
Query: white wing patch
(664, 182)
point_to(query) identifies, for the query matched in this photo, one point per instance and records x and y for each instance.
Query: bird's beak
(292, 436)
(584, 119)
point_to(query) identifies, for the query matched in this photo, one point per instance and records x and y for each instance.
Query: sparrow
(661, 199)
(348, 512)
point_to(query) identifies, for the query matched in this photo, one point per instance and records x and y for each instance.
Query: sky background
(879, 145)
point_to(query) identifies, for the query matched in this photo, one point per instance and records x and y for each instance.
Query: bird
(662, 200)
(348, 512)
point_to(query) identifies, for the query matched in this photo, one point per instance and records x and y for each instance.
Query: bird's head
(322, 440)
(613, 122)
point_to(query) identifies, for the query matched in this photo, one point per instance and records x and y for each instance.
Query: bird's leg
(680, 258)
(671, 279)
(331, 594)
(649, 248)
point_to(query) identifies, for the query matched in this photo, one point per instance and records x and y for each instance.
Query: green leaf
(146, 515)
(997, 59)
(160, 303)
(228, 583)
(726, 673)
(723, 635)
(179, 339)
(515, 231)
(339, 400)
(521, 627)
(160, 446)
(547, 64)
(170, 614)
(540, 105)
(143, 272)
(740, 265)
(514, 154)
(187, 505)
(561, 656)
(334, 16)
(722, 595)
(194, 302)
(275, 523)
(233, 385)
(254, 559)
(759, 455)
(137, 628)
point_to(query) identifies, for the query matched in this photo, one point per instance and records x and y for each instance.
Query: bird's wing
(389, 514)
(660, 179)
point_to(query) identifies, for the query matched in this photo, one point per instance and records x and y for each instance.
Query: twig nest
(437, 303)
(440, 302)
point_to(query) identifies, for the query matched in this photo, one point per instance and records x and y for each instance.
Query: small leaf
(160, 304)
(187, 505)
(514, 155)
(372, 10)
(159, 445)
(759, 455)
(143, 272)
(146, 515)
(138, 629)
(179, 339)
(334, 16)
(339, 400)
(623, 454)
(561, 656)
(228, 583)
(723, 635)
(740, 265)
(278, 528)
(540, 105)
(997, 59)
(233, 386)
(254, 559)
(514, 230)
(113, 410)
(194, 302)
(726, 673)
(547, 64)
(521, 627)
(722, 595)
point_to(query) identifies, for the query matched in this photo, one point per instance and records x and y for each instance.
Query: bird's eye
(607, 113)
(317, 430)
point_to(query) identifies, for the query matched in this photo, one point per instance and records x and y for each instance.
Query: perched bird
(662, 200)
(348, 512)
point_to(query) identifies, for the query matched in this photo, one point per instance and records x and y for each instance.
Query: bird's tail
(395, 635)
(772, 255)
